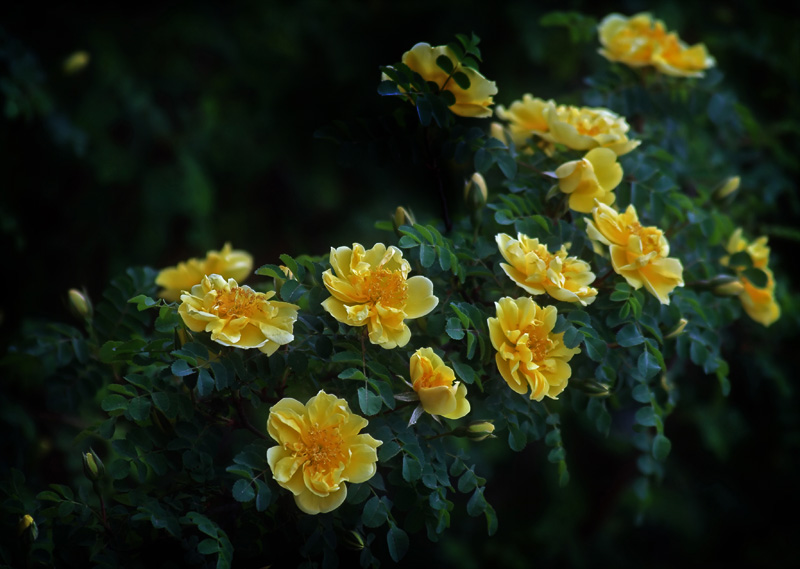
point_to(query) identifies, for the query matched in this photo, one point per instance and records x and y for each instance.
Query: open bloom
(594, 177)
(584, 128)
(639, 41)
(525, 118)
(372, 289)
(758, 302)
(538, 271)
(640, 254)
(435, 384)
(529, 355)
(230, 263)
(319, 450)
(471, 102)
(238, 316)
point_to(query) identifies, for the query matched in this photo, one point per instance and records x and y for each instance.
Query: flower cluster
(639, 253)
(320, 448)
(229, 263)
(578, 128)
(640, 41)
(529, 354)
(538, 271)
(758, 302)
(372, 289)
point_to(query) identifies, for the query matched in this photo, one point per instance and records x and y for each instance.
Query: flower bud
(496, 131)
(731, 288)
(475, 430)
(678, 330)
(354, 540)
(27, 529)
(402, 217)
(80, 303)
(475, 193)
(592, 388)
(76, 62)
(727, 188)
(93, 467)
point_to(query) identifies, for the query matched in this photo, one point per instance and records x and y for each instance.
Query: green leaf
(465, 372)
(205, 383)
(397, 540)
(482, 160)
(756, 276)
(181, 368)
(139, 408)
(208, 546)
(595, 349)
(243, 491)
(661, 447)
(646, 416)
(741, 260)
(647, 365)
(387, 88)
(629, 335)
(412, 469)
(369, 402)
(374, 514)
(477, 503)
(445, 64)
(424, 110)
(557, 454)
(461, 79)
(454, 329)
(427, 255)
(114, 402)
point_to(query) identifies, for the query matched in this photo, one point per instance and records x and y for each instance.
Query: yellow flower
(319, 450)
(594, 177)
(538, 271)
(639, 41)
(640, 254)
(471, 102)
(758, 249)
(238, 316)
(372, 289)
(526, 118)
(230, 263)
(435, 384)
(529, 354)
(584, 128)
(758, 303)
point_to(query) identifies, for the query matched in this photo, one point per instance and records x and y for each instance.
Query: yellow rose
(639, 254)
(526, 118)
(538, 271)
(584, 128)
(758, 303)
(372, 289)
(319, 450)
(471, 102)
(238, 316)
(639, 41)
(594, 177)
(230, 263)
(435, 384)
(529, 354)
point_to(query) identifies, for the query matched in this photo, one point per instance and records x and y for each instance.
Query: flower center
(387, 287)
(539, 345)
(237, 303)
(321, 447)
(650, 236)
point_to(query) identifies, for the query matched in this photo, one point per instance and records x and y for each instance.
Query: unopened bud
(80, 303)
(354, 540)
(475, 193)
(475, 430)
(496, 131)
(27, 529)
(93, 467)
(677, 330)
(732, 288)
(401, 217)
(593, 388)
(76, 62)
(727, 188)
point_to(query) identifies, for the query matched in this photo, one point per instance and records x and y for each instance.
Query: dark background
(193, 125)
